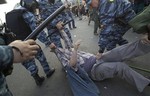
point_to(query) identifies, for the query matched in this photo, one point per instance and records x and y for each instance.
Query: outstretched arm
(67, 41)
(73, 59)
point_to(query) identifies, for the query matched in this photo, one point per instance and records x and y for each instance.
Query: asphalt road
(22, 84)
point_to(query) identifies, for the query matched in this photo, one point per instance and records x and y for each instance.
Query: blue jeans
(80, 83)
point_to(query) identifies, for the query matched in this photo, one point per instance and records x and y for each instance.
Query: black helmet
(29, 4)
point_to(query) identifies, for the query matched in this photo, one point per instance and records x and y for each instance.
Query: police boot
(39, 80)
(50, 73)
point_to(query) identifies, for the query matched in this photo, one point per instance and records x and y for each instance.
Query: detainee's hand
(28, 50)
(52, 46)
(77, 44)
(98, 55)
(145, 40)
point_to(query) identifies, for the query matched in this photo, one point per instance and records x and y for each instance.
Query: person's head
(30, 5)
(93, 3)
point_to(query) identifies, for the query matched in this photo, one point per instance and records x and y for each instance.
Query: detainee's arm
(74, 56)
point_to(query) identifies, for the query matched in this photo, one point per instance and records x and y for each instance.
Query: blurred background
(5, 6)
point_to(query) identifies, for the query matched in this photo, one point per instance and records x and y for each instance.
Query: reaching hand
(77, 44)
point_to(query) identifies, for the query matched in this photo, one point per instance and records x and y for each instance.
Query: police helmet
(29, 4)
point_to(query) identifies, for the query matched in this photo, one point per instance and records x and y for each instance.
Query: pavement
(22, 84)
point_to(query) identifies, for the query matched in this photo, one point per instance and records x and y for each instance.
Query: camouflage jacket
(6, 60)
(111, 11)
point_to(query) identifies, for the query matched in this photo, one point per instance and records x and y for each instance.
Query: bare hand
(52, 46)
(59, 25)
(98, 55)
(27, 48)
(77, 44)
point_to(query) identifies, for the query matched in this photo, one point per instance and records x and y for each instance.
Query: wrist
(74, 49)
(17, 50)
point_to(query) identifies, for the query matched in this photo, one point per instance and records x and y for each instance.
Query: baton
(35, 32)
